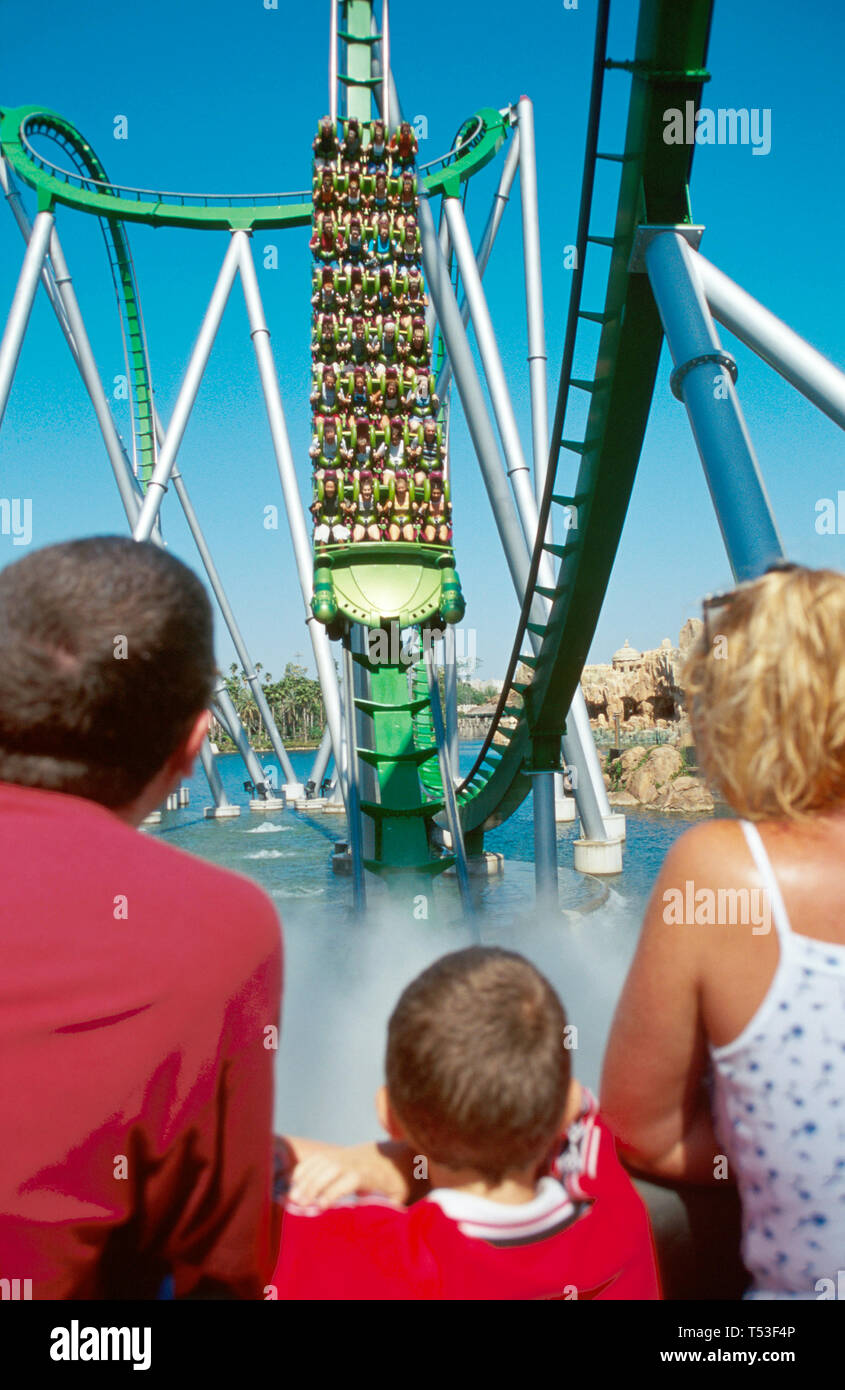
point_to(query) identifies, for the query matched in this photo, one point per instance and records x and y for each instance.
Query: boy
(513, 1186)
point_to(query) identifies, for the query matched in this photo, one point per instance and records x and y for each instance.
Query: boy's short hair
(476, 1067)
(106, 658)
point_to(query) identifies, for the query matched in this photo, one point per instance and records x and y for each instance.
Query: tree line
(295, 701)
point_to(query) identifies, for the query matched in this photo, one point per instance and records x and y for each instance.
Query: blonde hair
(766, 695)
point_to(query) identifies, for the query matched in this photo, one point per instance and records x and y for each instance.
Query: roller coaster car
(382, 581)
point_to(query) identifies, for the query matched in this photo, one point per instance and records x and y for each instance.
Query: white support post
(21, 306)
(579, 747)
(796, 360)
(302, 550)
(533, 293)
(482, 256)
(333, 63)
(157, 485)
(385, 75)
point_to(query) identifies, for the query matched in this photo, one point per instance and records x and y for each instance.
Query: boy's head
(478, 1076)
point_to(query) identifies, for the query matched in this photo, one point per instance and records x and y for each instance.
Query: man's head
(106, 665)
(478, 1074)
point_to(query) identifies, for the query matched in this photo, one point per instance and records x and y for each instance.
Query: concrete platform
(270, 803)
(598, 856)
(221, 812)
(564, 809)
(154, 818)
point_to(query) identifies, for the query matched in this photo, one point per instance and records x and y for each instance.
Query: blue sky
(225, 97)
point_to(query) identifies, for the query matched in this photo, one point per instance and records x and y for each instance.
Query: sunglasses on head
(713, 603)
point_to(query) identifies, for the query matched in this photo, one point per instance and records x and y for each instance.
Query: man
(140, 987)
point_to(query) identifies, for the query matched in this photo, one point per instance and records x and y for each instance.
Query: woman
(740, 968)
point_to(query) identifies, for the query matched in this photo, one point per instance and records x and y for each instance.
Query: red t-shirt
(137, 985)
(585, 1235)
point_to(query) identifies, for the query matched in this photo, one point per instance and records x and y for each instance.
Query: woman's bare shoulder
(715, 844)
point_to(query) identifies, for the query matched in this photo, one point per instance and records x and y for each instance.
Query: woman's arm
(653, 1090)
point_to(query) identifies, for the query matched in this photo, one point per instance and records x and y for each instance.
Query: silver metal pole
(378, 68)
(430, 315)
(545, 837)
(240, 738)
(80, 346)
(157, 485)
(533, 293)
(212, 773)
(500, 198)
(475, 411)
(234, 630)
(63, 299)
(472, 398)
(450, 670)
(385, 76)
(579, 746)
(287, 473)
(21, 306)
(353, 799)
(13, 198)
(453, 818)
(703, 380)
(808, 370)
(491, 362)
(321, 761)
(333, 63)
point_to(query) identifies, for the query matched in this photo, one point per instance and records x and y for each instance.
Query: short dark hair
(477, 1068)
(82, 711)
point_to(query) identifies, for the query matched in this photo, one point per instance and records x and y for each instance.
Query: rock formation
(640, 689)
(656, 778)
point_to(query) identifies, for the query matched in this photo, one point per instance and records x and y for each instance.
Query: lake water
(343, 975)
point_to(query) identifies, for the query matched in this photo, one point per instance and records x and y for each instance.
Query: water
(342, 976)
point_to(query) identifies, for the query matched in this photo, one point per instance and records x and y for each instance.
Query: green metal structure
(593, 472)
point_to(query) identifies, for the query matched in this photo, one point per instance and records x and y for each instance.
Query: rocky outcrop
(640, 689)
(656, 778)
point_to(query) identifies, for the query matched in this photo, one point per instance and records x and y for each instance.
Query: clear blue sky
(223, 97)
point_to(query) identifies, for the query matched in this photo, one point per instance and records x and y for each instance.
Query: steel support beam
(453, 819)
(500, 199)
(704, 380)
(303, 553)
(353, 795)
(533, 293)
(21, 306)
(333, 62)
(578, 744)
(807, 369)
(157, 485)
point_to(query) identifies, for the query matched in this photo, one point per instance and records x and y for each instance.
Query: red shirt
(136, 986)
(585, 1235)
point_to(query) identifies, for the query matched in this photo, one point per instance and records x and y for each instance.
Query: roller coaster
(381, 561)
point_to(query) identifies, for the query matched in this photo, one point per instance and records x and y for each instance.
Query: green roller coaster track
(667, 69)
